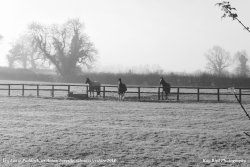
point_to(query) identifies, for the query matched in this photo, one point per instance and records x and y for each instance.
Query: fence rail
(133, 92)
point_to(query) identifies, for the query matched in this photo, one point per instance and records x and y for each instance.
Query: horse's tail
(124, 87)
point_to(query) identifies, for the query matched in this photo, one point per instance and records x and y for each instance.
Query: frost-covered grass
(51, 132)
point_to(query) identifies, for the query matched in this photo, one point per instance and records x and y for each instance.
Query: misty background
(162, 37)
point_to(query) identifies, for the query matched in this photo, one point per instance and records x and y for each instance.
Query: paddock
(54, 132)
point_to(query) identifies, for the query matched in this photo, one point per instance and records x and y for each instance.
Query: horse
(93, 86)
(166, 87)
(122, 88)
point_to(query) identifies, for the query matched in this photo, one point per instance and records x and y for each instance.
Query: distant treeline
(152, 79)
(21, 74)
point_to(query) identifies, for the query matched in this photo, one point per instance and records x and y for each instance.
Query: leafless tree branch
(230, 12)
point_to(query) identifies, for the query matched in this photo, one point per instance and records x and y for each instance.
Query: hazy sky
(174, 34)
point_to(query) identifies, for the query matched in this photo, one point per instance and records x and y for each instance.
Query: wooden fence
(52, 88)
(178, 92)
(133, 92)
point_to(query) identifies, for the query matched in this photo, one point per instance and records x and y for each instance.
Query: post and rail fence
(139, 93)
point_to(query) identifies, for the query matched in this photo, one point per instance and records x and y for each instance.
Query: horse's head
(87, 81)
(119, 80)
(162, 81)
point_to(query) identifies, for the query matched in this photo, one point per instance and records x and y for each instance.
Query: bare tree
(218, 60)
(229, 11)
(17, 54)
(65, 46)
(23, 52)
(242, 69)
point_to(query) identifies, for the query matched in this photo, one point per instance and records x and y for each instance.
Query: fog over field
(172, 34)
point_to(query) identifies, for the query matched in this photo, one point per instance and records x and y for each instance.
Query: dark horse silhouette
(93, 86)
(166, 87)
(122, 88)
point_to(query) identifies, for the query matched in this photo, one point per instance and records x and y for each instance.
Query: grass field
(78, 133)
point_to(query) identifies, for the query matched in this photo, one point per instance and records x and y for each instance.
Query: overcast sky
(173, 34)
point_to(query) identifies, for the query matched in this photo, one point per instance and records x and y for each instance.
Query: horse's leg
(123, 96)
(99, 89)
(97, 92)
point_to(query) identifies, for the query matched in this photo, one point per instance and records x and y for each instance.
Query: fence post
(218, 94)
(104, 92)
(162, 94)
(68, 89)
(178, 91)
(37, 90)
(240, 95)
(87, 91)
(198, 94)
(22, 89)
(139, 93)
(9, 89)
(52, 91)
(159, 93)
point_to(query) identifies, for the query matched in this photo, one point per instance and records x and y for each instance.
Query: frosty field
(77, 133)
